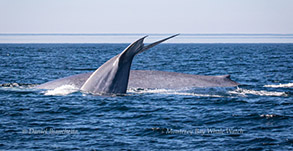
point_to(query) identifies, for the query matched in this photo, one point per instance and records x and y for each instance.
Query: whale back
(151, 79)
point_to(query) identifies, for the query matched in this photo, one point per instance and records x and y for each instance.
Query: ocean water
(256, 115)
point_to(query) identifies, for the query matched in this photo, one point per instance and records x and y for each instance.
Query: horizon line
(145, 33)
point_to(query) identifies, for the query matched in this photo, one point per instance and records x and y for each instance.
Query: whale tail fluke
(138, 47)
(113, 76)
(132, 50)
(156, 43)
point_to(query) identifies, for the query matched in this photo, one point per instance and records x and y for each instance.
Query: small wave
(17, 87)
(267, 116)
(288, 85)
(62, 90)
(244, 92)
(170, 92)
(20, 85)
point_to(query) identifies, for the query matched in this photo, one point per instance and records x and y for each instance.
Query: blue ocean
(257, 115)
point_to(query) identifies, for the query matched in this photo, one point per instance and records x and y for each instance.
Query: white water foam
(238, 91)
(288, 85)
(244, 92)
(267, 116)
(170, 92)
(62, 90)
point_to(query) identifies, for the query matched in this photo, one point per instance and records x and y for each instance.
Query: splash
(288, 85)
(170, 92)
(62, 90)
(68, 89)
(244, 92)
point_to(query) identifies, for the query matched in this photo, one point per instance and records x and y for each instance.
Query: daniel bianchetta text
(49, 131)
(198, 131)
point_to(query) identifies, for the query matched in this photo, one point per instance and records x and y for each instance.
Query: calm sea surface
(256, 115)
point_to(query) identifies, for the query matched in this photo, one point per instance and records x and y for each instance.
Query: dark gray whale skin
(151, 79)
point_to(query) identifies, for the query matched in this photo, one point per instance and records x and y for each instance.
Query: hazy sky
(146, 16)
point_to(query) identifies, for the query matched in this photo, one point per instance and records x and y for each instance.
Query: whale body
(151, 79)
(115, 76)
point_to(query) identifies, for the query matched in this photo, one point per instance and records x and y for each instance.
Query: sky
(147, 16)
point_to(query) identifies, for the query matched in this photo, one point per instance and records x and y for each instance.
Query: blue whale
(115, 76)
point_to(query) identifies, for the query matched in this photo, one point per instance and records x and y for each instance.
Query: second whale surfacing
(115, 76)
